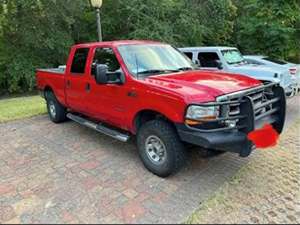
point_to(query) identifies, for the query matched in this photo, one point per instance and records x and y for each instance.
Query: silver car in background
(294, 69)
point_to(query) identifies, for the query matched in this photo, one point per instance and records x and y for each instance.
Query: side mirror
(101, 74)
(219, 64)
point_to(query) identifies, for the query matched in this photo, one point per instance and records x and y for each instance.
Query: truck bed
(53, 70)
(53, 78)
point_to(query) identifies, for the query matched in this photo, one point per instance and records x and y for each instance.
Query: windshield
(233, 56)
(154, 59)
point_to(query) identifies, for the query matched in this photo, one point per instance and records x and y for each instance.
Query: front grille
(264, 107)
(261, 103)
(247, 110)
(234, 110)
(257, 98)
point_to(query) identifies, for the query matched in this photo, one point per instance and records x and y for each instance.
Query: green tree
(180, 22)
(216, 18)
(163, 20)
(35, 33)
(39, 33)
(268, 27)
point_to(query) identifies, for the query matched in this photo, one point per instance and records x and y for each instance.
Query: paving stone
(6, 213)
(130, 193)
(252, 192)
(89, 165)
(131, 212)
(6, 189)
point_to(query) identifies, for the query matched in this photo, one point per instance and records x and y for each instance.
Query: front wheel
(56, 111)
(160, 148)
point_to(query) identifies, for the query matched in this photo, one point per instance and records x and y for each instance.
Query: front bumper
(263, 105)
(292, 90)
(233, 141)
(296, 86)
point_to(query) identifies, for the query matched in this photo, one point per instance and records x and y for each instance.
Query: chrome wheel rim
(52, 109)
(156, 150)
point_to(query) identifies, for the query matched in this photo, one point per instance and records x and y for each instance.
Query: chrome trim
(54, 70)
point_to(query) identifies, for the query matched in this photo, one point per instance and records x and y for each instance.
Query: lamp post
(97, 5)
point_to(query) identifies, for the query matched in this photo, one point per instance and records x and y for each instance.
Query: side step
(99, 127)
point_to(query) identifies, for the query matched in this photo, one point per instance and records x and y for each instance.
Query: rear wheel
(56, 111)
(160, 148)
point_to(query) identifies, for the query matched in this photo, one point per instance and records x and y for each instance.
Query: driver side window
(105, 56)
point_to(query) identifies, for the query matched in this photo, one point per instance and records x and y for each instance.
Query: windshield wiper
(156, 71)
(185, 68)
(238, 63)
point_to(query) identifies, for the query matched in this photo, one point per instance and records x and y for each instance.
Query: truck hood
(257, 71)
(260, 72)
(202, 86)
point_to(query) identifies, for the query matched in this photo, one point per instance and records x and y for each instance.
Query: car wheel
(56, 111)
(160, 148)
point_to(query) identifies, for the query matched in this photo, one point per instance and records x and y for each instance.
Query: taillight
(293, 71)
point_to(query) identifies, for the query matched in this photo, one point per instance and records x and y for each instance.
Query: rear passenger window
(208, 59)
(106, 56)
(79, 60)
(189, 54)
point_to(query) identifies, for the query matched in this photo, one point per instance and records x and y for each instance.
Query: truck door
(106, 102)
(76, 80)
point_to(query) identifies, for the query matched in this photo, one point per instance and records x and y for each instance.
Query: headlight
(195, 112)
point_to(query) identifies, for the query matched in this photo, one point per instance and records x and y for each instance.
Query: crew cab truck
(153, 91)
(230, 60)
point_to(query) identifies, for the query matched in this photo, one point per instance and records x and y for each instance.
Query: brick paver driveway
(265, 191)
(67, 173)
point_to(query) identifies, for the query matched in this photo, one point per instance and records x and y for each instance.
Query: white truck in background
(274, 63)
(229, 59)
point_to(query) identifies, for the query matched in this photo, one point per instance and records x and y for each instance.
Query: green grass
(19, 108)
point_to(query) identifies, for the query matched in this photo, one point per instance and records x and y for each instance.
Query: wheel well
(146, 116)
(46, 90)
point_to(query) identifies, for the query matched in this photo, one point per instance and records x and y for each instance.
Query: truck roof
(117, 43)
(210, 48)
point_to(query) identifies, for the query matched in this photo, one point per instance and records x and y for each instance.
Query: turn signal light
(203, 120)
(192, 122)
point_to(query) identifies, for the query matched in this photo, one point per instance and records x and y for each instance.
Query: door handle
(68, 83)
(88, 87)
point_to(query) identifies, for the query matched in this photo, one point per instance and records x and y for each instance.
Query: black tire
(59, 113)
(175, 154)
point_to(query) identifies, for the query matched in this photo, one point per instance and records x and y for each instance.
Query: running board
(99, 127)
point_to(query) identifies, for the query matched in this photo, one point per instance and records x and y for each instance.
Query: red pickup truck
(151, 90)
